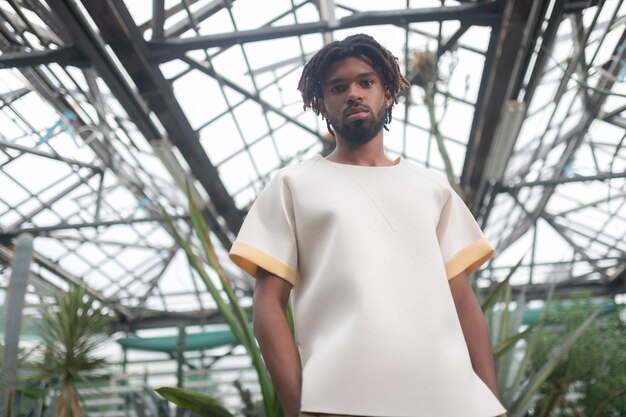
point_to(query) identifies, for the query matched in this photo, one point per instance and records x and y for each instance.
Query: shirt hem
(249, 258)
(469, 258)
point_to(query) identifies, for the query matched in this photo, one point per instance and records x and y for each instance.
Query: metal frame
(516, 64)
(483, 14)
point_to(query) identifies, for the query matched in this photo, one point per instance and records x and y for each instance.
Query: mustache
(356, 106)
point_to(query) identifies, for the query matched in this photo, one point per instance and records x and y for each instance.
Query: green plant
(234, 315)
(198, 403)
(28, 396)
(13, 313)
(71, 329)
(519, 383)
(591, 380)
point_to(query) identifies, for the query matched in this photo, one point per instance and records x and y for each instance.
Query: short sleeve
(462, 242)
(267, 236)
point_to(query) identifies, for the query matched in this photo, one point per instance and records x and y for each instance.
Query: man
(378, 254)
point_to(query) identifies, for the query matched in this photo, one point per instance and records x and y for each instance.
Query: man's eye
(367, 83)
(336, 89)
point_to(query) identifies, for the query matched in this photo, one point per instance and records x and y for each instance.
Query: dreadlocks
(360, 46)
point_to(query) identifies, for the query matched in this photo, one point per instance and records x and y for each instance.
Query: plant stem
(554, 397)
(429, 100)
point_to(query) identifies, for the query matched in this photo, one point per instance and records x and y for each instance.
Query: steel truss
(518, 60)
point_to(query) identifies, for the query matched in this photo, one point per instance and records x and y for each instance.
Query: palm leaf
(198, 403)
(72, 329)
(513, 390)
(195, 262)
(523, 402)
(505, 354)
(494, 296)
(202, 232)
(508, 343)
(502, 365)
(233, 313)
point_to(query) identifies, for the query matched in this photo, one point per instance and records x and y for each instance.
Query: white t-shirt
(368, 250)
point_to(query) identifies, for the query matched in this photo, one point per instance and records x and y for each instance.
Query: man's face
(354, 100)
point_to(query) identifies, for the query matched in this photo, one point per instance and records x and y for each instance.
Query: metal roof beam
(504, 64)
(199, 15)
(483, 14)
(167, 13)
(616, 121)
(545, 51)
(142, 318)
(47, 205)
(25, 149)
(574, 138)
(6, 257)
(212, 73)
(158, 19)
(45, 230)
(578, 178)
(620, 109)
(68, 55)
(120, 32)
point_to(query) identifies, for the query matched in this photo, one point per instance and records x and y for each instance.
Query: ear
(388, 98)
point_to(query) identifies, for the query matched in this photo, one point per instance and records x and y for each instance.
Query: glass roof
(79, 170)
(573, 130)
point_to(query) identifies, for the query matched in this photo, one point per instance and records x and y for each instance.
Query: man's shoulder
(295, 170)
(427, 174)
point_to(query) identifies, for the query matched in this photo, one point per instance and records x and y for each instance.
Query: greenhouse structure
(136, 135)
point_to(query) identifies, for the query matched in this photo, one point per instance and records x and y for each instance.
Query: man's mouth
(357, 113)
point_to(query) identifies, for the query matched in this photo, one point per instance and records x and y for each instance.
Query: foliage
(250, 407)
(198, 403)
(519, 384)
(28, 395)
(230, 309)
(591, 380)
(71, 329)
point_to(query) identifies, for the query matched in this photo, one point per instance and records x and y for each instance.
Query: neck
(369, 154)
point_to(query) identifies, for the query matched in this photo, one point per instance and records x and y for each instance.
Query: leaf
(232, 311)
(503, 363)
(494, 296)
(72, 329)
(196, 263)
(505, 345)
(200, 404)
(517, 317)
(522, 403)
(533, 340)
(35, 392)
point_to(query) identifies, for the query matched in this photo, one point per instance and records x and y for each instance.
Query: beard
(361, 131)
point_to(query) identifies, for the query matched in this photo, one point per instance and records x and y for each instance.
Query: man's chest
(336, 201)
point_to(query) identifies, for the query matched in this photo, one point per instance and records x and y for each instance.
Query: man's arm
(271, 295)
(475, 330)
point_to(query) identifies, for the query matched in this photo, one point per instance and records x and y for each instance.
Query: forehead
(348, 68)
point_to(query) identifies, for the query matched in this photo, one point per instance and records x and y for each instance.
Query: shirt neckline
(396, 162)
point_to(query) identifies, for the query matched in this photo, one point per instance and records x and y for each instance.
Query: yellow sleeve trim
(469, 258)
(249, 258)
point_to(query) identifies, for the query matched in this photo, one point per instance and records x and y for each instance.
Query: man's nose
(354, 93)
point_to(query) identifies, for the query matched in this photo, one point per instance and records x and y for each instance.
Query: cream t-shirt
(369, 251)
